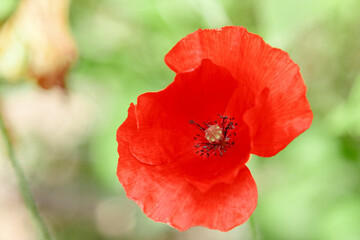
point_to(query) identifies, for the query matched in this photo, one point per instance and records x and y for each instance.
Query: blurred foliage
(7, 7)
(311, 190)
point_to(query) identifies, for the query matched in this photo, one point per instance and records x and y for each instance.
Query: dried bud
(35, 43)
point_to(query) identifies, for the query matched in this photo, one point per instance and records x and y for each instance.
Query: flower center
(214, 134)
(215, 137)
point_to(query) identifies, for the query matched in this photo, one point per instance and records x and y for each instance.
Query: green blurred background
(66, 143)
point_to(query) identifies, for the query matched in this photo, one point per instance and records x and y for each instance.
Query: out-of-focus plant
(35, 43)
(7, 7)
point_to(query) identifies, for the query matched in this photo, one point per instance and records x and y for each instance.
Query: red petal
(204, 172)
(197, 95)
(158, 146)
(164, 132)
(167, 197)
(284, 112)
(276, 120)
(241, 101)
(127, 129)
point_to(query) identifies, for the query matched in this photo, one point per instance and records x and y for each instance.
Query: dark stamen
(216, 135)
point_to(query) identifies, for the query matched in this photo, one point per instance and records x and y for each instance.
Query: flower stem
(23, 185)
(253, 228)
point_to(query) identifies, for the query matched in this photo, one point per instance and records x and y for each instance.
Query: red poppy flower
(183, 150)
